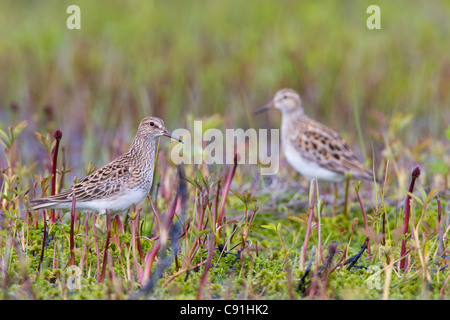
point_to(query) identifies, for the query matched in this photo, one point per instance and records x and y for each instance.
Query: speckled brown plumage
(312, 148)
(318, 143)
(120, 184)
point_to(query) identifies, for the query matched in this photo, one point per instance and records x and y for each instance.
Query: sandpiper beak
(264, 108)
(169, 134)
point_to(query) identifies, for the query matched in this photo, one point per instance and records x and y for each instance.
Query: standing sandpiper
(313, 149)
(120, 184)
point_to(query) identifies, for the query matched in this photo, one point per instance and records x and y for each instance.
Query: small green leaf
(416, 198)
(3, 135)
(356, 185)
(297, 219)
(191, 181)
(422, 193)
(19, 128)
(46, 141)
(197, 233)
(89, 167)
(4, 144)
(4, 196)
(304, 217)
(269, 226)
(432, 194)
(200, 177)
(237, 194)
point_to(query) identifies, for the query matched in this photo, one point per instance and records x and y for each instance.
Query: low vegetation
(224, 231)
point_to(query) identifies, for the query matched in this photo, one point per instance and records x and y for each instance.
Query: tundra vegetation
(70, 101)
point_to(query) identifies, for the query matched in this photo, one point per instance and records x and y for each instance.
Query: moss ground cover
(386, 91)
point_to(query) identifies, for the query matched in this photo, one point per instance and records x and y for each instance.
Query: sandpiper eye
(152, 124)
(285, 97)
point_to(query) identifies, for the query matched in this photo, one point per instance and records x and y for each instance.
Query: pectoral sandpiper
(120, 184)
(313, 149)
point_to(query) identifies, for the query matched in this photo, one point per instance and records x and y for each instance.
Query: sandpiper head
(153, 127)
(285, 100)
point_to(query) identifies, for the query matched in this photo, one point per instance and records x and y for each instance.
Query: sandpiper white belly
(119, 204)
(114, 204)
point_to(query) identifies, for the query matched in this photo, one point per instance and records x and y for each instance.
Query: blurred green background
(177, 58)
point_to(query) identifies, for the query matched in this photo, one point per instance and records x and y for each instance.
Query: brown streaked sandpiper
(313, 149)
(121, 183)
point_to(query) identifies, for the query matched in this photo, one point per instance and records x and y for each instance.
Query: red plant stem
(415, 174)
(226, 189)
(57, 135)
(308, 226)
(134, 230)
(138, 240)
(85, 240)
(150, 257)
(105, 253)
(439, 208)
(200, 214)
(212, 245)
(72, 222)
(216, 200)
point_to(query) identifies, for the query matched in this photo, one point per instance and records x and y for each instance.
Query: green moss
(198, 67)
